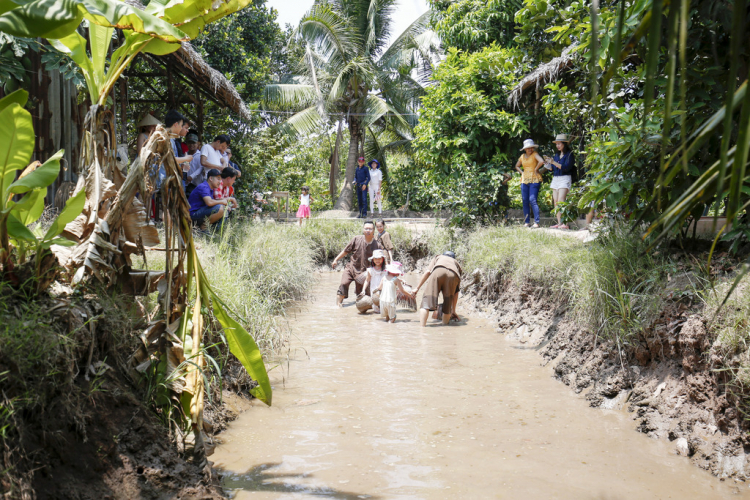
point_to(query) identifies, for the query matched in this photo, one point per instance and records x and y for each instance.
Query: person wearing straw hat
(443, 277)
(531, 180)
(146, 126)
(372, 277)
(562, 165)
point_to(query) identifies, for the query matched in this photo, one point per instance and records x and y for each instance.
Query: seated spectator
(226, 189)
(203, 205)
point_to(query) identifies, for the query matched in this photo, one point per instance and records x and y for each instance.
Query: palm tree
(349, 74)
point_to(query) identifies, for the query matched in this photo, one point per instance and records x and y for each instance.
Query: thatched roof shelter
(544, 74)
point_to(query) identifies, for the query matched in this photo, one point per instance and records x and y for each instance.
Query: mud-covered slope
(666, 378)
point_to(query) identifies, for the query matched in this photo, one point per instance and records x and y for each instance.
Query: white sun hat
(377, 254)
(529, 143)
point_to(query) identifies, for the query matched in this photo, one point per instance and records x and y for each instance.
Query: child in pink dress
(304, 204)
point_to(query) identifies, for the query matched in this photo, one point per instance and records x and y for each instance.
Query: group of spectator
(208, 172)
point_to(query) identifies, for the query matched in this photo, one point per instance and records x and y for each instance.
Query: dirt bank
(73, 423)
(665, 378)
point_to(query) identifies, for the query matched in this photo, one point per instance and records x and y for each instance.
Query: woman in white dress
(376, 178)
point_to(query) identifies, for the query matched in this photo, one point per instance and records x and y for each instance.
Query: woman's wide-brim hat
(394, 269)
(377, 254)
(148, 120)
(529, 143)
(562, 138)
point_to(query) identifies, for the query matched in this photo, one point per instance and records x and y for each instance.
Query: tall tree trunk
(345, 198)
(334, 177)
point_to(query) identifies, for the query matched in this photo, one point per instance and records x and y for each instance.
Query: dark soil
(663, 378)
(73, 432)
(127, 454)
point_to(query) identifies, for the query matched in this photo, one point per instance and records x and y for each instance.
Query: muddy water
(372, 410)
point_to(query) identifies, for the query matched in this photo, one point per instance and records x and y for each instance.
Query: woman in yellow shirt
(531, 180)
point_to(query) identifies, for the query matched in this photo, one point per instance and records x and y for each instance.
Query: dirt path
(396, 411)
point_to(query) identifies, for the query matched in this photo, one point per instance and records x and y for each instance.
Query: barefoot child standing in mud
(388, 292)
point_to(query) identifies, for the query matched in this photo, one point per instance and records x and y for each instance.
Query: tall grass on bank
(611, 285)
(729, 331)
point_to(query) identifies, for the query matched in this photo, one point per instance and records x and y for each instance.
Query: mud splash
(370, 410)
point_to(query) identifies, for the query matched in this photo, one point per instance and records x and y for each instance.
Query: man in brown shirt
(384, 239)
(444, 275)
(360, 248)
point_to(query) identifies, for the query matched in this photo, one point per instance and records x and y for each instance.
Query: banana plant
(16, 127)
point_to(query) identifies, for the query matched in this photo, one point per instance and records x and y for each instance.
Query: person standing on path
(361, 249)
(361, 180)
(531, 180)
(443, 276)
(384, 239)
(562, 165)
(304, 205)
(376, 179)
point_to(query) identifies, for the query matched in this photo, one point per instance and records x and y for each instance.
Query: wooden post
(170, 88)
(200, 116)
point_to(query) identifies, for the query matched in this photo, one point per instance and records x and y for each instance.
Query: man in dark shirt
(360, 248)
(202, 203)
(361, 180)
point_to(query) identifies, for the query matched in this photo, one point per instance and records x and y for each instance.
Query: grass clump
(730, 331)
(612, 285)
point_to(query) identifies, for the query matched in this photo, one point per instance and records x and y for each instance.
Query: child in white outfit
(388, 296)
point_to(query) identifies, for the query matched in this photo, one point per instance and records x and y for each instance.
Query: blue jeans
(204, 212)
(362, 200)
(529, 192)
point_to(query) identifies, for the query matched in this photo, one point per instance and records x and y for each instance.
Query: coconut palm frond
(306, 122)
(329, 30)
(291, 97)
(403, 47)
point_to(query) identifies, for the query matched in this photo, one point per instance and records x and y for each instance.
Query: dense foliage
(246, 47)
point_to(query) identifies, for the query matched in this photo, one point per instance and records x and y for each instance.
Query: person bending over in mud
(372, 278)
(388, 288)
(443, 276)
(361, 249)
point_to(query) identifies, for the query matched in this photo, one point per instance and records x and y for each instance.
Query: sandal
(563, 226)
(527, 225)
(556, 226)
(535, 226)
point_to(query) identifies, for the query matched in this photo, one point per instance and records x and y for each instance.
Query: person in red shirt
(225, 188)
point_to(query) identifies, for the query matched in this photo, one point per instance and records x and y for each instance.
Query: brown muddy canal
(366, 409)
